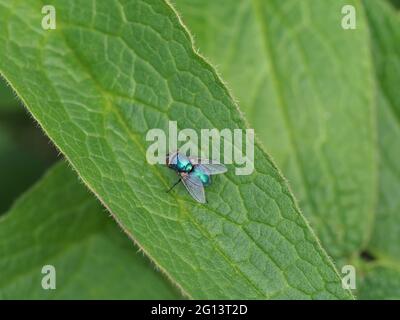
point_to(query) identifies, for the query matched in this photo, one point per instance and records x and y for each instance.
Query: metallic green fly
(194, 173)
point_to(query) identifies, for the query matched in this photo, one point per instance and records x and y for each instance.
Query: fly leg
(175, 184)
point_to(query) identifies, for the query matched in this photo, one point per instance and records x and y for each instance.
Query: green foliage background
(324, 103)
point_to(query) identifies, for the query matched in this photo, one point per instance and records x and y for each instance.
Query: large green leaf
(59, 223)
(111, 71)
(305, 84)
(382, 281)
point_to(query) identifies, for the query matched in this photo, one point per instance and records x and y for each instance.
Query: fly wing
(214, 168)
(172, 158)
(210, 166)
(195, 187)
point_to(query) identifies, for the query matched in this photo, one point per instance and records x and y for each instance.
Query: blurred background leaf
(306, 86)
(59, 223)
(25, 152)
(382, 282)
(382, 278)
(395, 3)
(8, 100)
